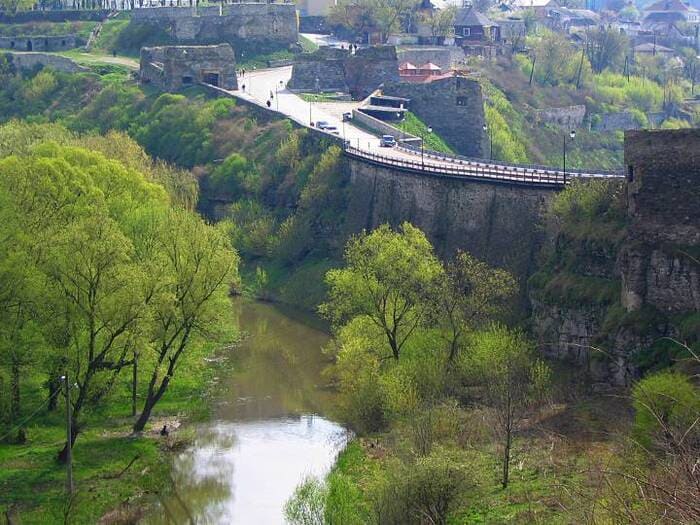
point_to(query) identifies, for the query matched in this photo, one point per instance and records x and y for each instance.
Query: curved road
(270, 85)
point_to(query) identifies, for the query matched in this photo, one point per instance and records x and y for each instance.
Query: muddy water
(269, 430)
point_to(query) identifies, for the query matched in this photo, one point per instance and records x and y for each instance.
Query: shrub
(422, 492)
(666, 406)
(306, 505)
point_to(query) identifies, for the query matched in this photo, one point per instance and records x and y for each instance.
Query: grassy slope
(509, 95)
(551, 457)
(415, 126)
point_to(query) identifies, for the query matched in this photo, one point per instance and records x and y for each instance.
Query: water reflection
(265, 440)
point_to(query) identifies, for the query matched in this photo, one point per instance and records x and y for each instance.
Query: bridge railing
(574, 172)
(505, 173)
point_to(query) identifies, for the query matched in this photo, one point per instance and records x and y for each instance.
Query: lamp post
(490, 132)
(422, 147)
(572, 134)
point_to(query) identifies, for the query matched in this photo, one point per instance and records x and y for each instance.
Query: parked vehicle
(387, 141)
(332, 129)
(322, 124)
(347, 116)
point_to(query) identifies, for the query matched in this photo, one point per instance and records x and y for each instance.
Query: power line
(21, 424)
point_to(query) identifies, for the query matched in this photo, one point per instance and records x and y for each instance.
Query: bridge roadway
(258, 86)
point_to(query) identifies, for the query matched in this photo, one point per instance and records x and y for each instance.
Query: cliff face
(498, 223)
(609, 293)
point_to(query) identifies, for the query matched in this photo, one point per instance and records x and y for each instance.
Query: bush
(306, 506)
(422, 492)
(666, 406)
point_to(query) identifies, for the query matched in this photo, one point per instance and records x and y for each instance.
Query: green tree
(440, 21)
(470, 294)
(606, 48)
(387, 279)
(512, 379)
(198, 267)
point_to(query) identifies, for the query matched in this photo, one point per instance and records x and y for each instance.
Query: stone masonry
(658, 262)
(173, 67)
(453, 107)
(246, 25)
(40, 43)
(339, 70)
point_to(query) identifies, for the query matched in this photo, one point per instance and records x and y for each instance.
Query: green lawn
(32, 481)
(415, 126)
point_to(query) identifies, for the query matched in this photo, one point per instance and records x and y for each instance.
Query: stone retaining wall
(245, 25)
(40, 43)
(57, 62)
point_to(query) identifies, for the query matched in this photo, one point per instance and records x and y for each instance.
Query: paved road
(260, 84)
(269, 84)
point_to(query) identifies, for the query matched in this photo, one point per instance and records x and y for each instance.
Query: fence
(570, 172)
(468, 170)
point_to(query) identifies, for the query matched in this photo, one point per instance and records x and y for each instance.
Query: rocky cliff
(620, 274)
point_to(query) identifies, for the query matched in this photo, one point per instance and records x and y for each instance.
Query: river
(268, 431)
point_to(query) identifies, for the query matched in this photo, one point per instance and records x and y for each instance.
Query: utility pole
(532, 71)
(134, 378)
(69, 439)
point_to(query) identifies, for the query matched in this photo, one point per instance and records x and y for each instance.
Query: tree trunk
(134, 379)
(63, 454)
(506, 458)
(145, 415)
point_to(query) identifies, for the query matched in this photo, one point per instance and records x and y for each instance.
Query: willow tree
(198, 266)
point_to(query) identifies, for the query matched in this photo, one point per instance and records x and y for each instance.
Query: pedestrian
(268, 103)
(243, 87)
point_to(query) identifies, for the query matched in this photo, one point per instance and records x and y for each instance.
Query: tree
(470, 293)
(606, 49)
(558, 62)
(440, 21)
(390, 13)
(357, 16)
(513, 381)
(199, 266)
(387, 279)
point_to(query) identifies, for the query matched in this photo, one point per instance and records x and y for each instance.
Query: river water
(268, 432)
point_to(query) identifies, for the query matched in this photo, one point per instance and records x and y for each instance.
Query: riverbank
(116, 475)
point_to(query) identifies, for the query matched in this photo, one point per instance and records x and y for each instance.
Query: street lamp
(572, 134)
(490, 132)
(422, 147)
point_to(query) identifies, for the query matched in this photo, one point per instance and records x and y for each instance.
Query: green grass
(260, 61)
(318, 97)
(413, 125)
(32, 481)
(80, 28)
(307, 45)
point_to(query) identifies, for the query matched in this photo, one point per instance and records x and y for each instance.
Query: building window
(466, 31)
(630, 173)
(187, 80)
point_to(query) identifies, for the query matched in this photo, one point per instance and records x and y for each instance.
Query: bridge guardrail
(503, 173)
(573, 171)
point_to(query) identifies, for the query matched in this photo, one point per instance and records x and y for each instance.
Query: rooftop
(468, 16)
